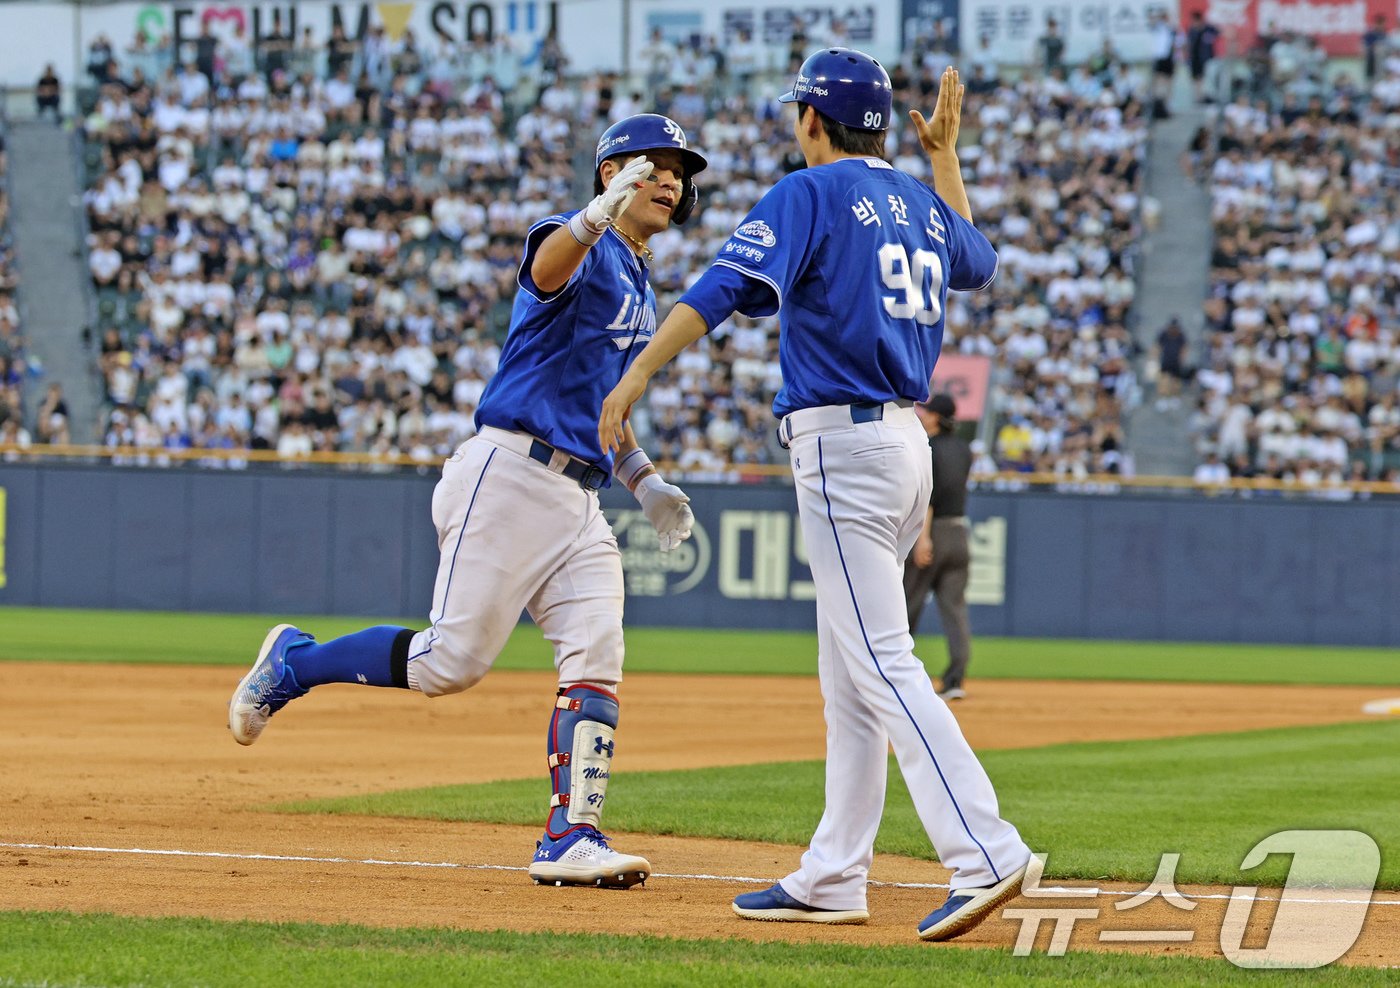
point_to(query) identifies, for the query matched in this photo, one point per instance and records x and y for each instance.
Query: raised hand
(605, 209)
(941, 132)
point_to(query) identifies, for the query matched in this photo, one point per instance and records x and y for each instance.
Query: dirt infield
(113, 759)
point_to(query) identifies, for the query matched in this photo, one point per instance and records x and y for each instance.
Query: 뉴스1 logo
(757, 232)
(1329, 887)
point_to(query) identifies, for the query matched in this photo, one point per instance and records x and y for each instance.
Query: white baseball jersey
(858, 258)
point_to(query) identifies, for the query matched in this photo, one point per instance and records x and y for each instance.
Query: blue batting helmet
(847, 85)
(650, 132)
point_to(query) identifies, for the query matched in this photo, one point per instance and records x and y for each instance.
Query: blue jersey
(567, 349)
(859, 257)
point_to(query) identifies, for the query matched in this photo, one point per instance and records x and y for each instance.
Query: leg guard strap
(580, 750)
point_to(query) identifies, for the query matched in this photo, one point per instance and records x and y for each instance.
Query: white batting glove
(603, 211)
(667, 508)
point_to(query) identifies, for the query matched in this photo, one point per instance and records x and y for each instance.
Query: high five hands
(941, 132)
(617, 406)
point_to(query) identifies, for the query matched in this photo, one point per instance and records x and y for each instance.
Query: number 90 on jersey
(917, 282)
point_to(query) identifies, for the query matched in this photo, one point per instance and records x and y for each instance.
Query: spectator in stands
(1212, 472)
(1163, 62)
(1051, 47)
(52, 420)
(1373, 43)
(1301, 312)
(206, 48)
(104, 261)
(302, 250)
(47, 92)
(658, 56)
(1171, 350)
(1201, 38)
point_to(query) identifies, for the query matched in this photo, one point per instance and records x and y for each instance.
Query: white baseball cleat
(583, 857)
(267, 688)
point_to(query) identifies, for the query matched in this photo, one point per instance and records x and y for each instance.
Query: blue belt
(874, 411)
(589, 477)
(861, 412)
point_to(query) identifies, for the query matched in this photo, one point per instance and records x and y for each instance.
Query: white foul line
(1044, 890)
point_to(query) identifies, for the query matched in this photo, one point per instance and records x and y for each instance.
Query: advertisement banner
(1337, 24)
(36, 34)
(745, 565)
(965, 377)
(1013, 28)
(1130, 567)
(919, 18)
(769, 26)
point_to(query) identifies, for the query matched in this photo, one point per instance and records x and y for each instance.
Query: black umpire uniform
(947, 526)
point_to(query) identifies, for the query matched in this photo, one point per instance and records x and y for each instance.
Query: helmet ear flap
(690, 197)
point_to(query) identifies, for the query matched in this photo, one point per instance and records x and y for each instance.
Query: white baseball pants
(514, 535)
(862, 490)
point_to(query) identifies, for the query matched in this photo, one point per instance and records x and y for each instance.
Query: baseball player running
(516, 510)
(859, 257)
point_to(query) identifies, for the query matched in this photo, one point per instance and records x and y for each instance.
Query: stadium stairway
(1171, 281)
(46, 220)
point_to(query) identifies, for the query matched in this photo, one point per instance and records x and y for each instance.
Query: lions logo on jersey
(635, 322)
(757, 232)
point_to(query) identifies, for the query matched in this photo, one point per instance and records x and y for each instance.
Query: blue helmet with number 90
(847, 85)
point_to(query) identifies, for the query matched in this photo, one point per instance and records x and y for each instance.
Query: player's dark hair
(869, 143)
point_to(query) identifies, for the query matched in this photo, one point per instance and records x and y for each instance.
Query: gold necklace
(637, 245)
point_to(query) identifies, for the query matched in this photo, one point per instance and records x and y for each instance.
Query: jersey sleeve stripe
(531, 288)
(995, 268)
(778, 292)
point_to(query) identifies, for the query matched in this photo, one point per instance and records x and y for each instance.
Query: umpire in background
(941, 558)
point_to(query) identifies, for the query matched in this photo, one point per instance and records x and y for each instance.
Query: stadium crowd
(313, 248)
(1299, 376)
(13, 367)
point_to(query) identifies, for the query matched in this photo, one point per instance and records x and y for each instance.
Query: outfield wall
(1045, 564)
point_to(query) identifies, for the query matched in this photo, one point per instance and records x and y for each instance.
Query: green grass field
(61, 949)
(1105, 810)
(1101, 810)
(224, 639)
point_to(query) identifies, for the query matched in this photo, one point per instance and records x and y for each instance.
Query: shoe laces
(264, 687)
(276, 694)
(593, 836)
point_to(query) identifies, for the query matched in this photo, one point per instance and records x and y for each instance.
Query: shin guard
(580, 747)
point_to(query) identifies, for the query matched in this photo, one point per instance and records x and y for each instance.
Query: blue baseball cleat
(965, 908)
(583, 857)
(268, 686)
(776, 905)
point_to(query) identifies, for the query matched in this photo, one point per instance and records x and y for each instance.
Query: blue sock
(375, 657)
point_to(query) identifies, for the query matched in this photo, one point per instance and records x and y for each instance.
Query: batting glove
(667, 508)
(588, 225)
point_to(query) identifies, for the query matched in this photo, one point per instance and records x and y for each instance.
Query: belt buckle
(590, 474)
